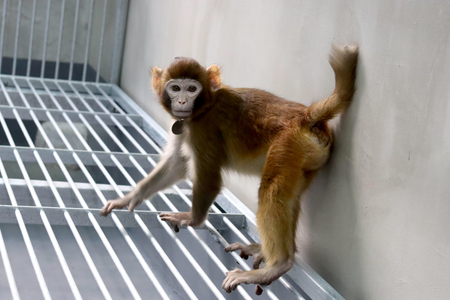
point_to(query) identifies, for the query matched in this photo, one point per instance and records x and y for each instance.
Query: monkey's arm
(207, 185)
(171, 168)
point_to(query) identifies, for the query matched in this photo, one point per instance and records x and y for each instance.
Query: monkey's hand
(248, 250)
(131, 200)
(178, 219)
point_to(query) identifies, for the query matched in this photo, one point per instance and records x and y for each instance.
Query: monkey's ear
(156, 78)
(214, 77)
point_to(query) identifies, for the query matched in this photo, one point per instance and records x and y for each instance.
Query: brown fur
(232, 128)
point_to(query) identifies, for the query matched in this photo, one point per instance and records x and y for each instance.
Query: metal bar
(141, 260)
(155, 243)
(59, 254)
(43, 215)
(183, 249)
(95, 223)
(80, 186)
(166, 259)
(56, 93)
(99, 63)
(79, 215)
(44, 51)
(166, 227)
(114, 104)
(7, 155)
(16, 43)
(31, 38)
(57, 113)
(8, 269)
(118, 223)
(99, 231)
(72, 53)
(106, 86)
(132, 122)
(61, 27)
(2, 34)
(24, 172)
(88, 38)
(74, 230)
(23, 229)
(150, 126)
(119, 37)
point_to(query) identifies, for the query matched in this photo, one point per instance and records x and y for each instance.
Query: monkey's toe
(234, 247)
(233, 279)
(257, 260)
(176, 219)
(248, 250)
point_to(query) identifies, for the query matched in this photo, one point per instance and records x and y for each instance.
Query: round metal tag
(177, 127)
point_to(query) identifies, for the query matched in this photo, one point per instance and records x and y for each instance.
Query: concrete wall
(376, 221)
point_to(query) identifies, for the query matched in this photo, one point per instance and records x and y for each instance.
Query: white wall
(376, 221)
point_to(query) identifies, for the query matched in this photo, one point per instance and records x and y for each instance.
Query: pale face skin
(182, 93)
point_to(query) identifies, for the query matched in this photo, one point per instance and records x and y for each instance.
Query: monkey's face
(186, 89)
(182, 94)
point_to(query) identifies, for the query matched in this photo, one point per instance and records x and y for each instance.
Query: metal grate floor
(65, 148)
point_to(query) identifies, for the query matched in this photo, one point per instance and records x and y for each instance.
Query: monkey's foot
(248, 250)
(131, 200)
(178, 219)
(263, 276)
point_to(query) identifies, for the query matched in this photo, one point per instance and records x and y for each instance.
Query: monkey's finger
(175, 227)
(258, 290)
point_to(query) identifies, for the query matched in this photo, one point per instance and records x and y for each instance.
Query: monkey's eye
(175, 88)
(192, 89)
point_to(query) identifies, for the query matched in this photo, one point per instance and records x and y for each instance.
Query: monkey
(252, 131)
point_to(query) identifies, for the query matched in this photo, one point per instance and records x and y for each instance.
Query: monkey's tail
(343, 60)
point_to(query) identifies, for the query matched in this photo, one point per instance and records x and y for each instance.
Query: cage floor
(66, 148)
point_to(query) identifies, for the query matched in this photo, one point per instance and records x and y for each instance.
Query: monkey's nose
(181, 102)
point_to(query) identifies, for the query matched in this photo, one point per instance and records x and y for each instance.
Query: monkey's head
(185, 88)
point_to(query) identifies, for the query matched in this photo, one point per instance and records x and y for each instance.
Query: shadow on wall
(330, 210)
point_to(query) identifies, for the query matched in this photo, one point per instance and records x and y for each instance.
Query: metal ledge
(55, 215)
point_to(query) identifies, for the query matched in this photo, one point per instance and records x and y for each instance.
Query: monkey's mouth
(182, 113)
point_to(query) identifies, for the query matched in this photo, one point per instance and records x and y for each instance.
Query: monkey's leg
(171, 168)
(282, 183)
(207, 185)
(277, 235)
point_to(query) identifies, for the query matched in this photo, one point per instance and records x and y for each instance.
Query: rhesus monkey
(250, 131)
